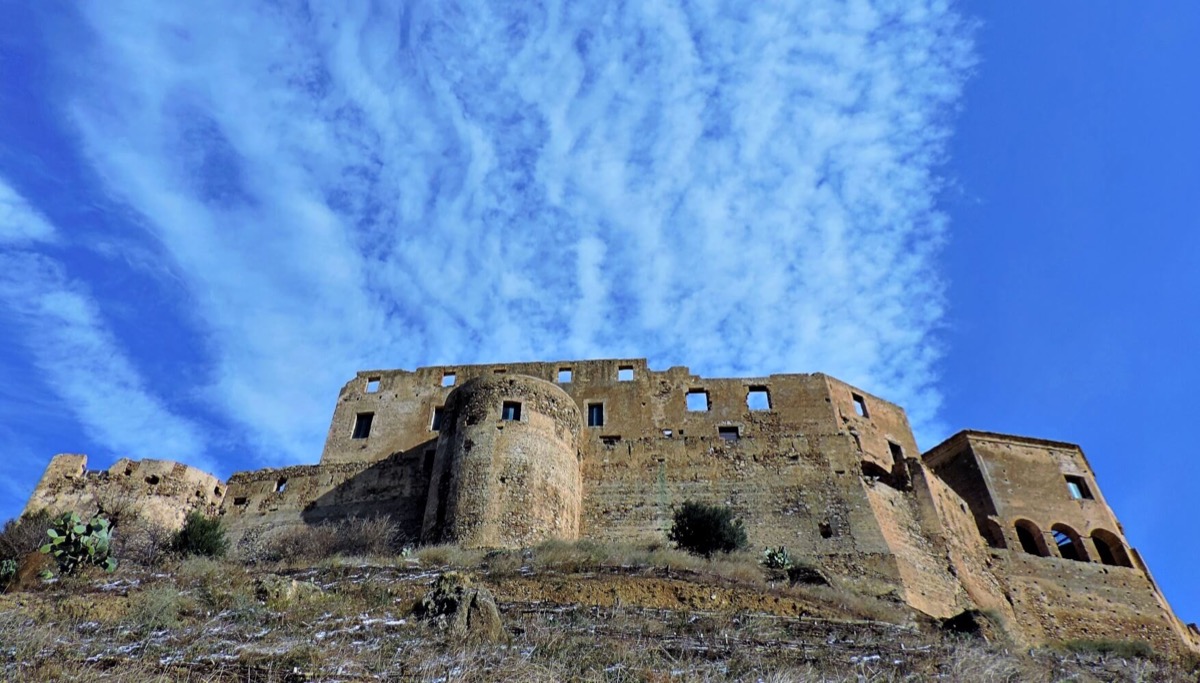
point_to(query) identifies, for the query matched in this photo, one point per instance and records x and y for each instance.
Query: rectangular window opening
(565, 375)
(281, 486)
(897, 452)
(625, 373)
(362, 425)
(611, 440)
(860, 405)
(373, 384)
(697, 400)
(668, 433)
(500, 371)
(758, 398)
(595, 414)
(1078, 488)
(427, 466)
(511, 412)
(729, 433)
(436, 424)
(448, 379)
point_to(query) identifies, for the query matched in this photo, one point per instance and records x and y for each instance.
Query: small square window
(372, 384)
(860, 405)
(595, 414)
(281, 486)
(436, 424)
(758, 398)
(1078, 488)
(730, 433)
(565, 375)
(362, 425)
(448, 379)
(511, 412)
(697, 401)
(625, 373)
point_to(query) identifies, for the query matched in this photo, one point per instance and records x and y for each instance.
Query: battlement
(507, 455)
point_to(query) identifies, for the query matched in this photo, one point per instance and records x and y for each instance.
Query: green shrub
(8, 571)
(200, 535)
(706, 529)
(74, 544)
(1128, 649)
(777, 558)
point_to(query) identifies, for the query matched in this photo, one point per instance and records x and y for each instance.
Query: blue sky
(212, 216)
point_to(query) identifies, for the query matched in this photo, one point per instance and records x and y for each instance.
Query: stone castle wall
(607, 449)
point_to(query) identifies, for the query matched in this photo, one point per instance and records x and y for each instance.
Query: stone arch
(1031, 538)
(1070, 546)
(993, 533)
(1110, 548)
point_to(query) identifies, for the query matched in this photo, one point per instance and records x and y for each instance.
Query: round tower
(506, 473)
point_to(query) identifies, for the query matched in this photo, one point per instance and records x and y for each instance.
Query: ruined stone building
(510, 455)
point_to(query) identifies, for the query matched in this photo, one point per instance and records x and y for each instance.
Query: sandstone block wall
(158, 491)
(506, 473)
(607, 449)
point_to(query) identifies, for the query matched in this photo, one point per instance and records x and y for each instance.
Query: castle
(510, 455)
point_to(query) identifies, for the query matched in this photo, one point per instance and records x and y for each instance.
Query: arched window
(994, 534)
(1031, 538)
(1110, 548)
(1068, 543)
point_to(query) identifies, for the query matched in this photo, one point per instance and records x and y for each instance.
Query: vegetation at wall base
(75, 544)
(200, 535)
(706, 529)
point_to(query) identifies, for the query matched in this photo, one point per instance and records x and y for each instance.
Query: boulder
(463, 609)
(278, 591)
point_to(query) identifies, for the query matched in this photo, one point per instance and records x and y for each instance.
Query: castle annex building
(510, 455)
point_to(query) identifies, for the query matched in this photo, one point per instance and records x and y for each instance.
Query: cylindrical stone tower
(506, 473)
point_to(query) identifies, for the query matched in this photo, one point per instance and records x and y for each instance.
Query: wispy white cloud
(743, 189)
(81, 360)
(20, 223)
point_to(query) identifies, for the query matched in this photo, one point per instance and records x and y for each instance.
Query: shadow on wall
(396, 486)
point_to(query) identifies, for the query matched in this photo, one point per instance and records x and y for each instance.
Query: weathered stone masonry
(509, 455)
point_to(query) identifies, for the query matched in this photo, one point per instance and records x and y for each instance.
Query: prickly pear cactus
(75, 544)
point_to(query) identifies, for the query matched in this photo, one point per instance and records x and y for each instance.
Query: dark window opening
(362, 425)
(897, 453)
(610, 441)
(1031, 539)
(129, 471)
(825, 529)
(565, 375)
(436, 424)
(729, 433)
(511, 412)
(1078, 488)
(448, 379)
(1110, 549)
(217, 492)
(625, 373)
(239, 501)
(595, 414)
(500, 371)
(697, 401)
(372, 384)
(281, 486)
(860, 405)
(1068, 543)
(872, 470)
(994, 534)
(152, 480)
(758, 398)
